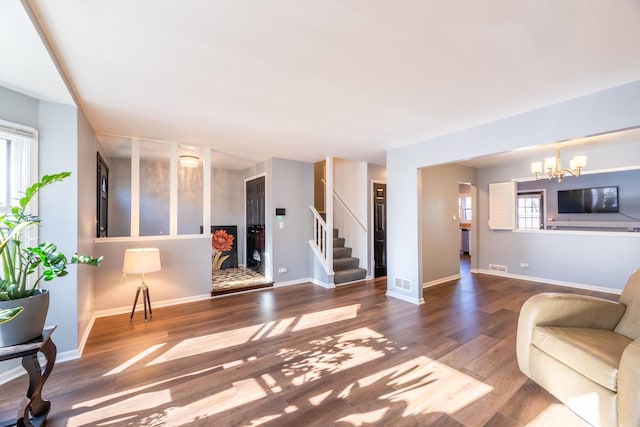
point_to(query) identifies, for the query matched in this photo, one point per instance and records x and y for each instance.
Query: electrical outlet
(524, 265)
(282, 270)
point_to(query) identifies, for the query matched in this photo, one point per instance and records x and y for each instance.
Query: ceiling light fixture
(189, 161)
(553, 167)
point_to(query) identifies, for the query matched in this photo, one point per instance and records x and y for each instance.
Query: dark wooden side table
(33, 409)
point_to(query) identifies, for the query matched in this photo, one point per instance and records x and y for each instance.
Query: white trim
(633, 234)
(85, 335)
(173, 190)
(19, 371)
(17, 129)
(405, 298)
(206, 192)
(442, 280)
(337, 285)
(148, 238)
(292, 282)
(323, 284)
(135, 188)
(165, 303)
(552, 282)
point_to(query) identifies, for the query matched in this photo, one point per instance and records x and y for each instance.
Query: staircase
(345, 267)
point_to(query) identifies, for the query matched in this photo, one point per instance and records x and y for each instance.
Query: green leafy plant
(19, 262)
(9, 313)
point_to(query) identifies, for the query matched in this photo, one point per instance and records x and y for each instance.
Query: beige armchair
(586, 352)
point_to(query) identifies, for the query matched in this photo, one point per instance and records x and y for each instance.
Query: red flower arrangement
(221, 241)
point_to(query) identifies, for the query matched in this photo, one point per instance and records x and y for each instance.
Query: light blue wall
(58, 126)
(292, 189)
(598, 260)
(605, 111)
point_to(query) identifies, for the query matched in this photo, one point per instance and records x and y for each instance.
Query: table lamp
(141, 261)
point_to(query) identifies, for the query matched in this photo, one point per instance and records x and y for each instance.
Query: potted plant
(25, 267)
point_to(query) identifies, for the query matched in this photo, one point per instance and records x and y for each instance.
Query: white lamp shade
(536, 167)
(578, 162)
(549, 163)
(141, 260)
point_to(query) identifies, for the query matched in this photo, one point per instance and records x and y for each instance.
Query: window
(18, 162)
(530, 211)
(464, 205)
(18, 167)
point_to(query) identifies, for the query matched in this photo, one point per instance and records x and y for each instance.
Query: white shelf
(628, 225)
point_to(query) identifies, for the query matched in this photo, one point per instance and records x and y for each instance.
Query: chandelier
(553, 167)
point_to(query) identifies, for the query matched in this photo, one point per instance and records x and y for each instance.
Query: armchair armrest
(629, 386)
(568, 310)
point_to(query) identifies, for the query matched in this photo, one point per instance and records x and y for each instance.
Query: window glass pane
(154, 188)
(116, 153)
(190, 199)
(4, 173)
(529, 211)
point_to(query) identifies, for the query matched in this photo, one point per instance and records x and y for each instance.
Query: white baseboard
(552, 282)
(323, 284)
(292, 282)
(443, 280)
(416, 301)
(18, 371)
(165, 303)
(85, 335)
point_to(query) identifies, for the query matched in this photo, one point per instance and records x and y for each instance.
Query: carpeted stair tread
(350, 275)
(338, 242)
(341, 253)
(335, 233)
(346, 263)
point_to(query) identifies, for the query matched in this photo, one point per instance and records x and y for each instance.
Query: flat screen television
(588, 200)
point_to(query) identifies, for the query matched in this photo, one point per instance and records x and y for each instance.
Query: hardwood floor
(306, 356)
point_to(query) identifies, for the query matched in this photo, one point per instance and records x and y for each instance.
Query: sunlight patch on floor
(557, 415)
(330, 355)
(365, 418)
(134, 359)
(133, 404)
(208, 343)
(425, 385)
(243, 392)
(239, 336)
(325, 317)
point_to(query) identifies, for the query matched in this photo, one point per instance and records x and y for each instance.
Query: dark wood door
(380, 229)
(102, 209)
(255, 196)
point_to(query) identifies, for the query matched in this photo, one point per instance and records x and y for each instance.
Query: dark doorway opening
(380, 229)
(255, 211)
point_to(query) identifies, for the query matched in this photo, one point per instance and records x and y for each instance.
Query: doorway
(379, 229)
(466, 193)
(255, 220)
(102, 229)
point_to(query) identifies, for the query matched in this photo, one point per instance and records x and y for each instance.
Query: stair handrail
(346, 208)
(320, 241)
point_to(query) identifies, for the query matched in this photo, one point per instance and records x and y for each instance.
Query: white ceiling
(303, 80)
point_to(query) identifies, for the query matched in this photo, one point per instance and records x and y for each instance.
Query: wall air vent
(496, 267)
(402, 284)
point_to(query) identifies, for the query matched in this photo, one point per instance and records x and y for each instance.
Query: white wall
(605, 111)
(351, 185)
